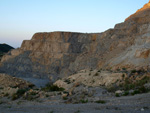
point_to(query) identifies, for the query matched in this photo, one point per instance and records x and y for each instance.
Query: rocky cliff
(58, 54)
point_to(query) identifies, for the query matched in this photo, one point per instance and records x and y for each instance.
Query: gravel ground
(129, 104)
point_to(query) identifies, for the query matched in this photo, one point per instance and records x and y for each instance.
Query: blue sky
(20, 19)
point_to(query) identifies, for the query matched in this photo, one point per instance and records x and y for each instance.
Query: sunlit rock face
(138, 54)
(58, 54)
(141, 13)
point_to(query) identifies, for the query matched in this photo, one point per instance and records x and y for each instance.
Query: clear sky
(20, 19)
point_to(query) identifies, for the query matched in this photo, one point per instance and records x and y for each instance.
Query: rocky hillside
(4, 48)
(9, 81)
(59, 54)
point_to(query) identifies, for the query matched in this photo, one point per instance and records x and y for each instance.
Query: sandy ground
(129, 104)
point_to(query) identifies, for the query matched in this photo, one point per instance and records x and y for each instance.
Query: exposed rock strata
(90, 78)
(59, 54)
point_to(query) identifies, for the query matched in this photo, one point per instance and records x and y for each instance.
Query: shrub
(142, 89)
(18, 94)
(65, 98)
(14, 97)
(133, 71)
(99, 71)
(84, 101)
(1, 102)
(49, 88)
(135, 92)
(118, 69)
(29, 98)
(101, 101)
(32, 93)
(117, 95)
(111, 89)
(126, 93)
(6, 95)
(124, 69)
(31, 85)
(93, 81)
(123, 75)
(67, 81)
(47, 95)
(96, 74)
(19, 102)
(78, 111)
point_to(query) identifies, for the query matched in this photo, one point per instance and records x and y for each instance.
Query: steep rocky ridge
(59, 54)
(138, 55)
(4, 48)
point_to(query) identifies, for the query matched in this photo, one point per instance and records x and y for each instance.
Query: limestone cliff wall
(58, 54)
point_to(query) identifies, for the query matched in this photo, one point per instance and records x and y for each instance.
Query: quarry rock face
(90, 78)
(59, 54)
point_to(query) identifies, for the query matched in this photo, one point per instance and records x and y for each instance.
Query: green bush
(123, 75)
(124, 69)
(6, 95)
(49, 88)
(126, 93)
(18, 94)
(84, 101)
(101, 101)
(128, 85)
(65, 98)
(135, 92)
(32, 93)
(99, 71)
(78, 111)
(1, 102)
(133, 71)
(118, 69)
(67, 81)
(142, 89)
(117, 95)
(96, 74)
(14, 96)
